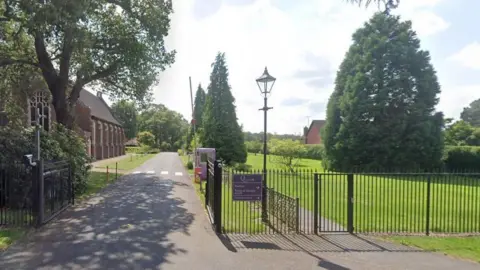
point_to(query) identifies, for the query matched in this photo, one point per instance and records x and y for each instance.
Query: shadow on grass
(125, 226)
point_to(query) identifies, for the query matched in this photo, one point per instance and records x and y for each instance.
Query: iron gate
(213, 194)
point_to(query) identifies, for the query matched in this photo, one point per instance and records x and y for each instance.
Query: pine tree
(219, 121)
(381, 115)
(199, 105)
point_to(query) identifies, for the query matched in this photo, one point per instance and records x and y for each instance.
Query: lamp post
(265, 84)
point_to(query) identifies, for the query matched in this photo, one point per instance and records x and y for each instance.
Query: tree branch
(48, 70)
(103, 73)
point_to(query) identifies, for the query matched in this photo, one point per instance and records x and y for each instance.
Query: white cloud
(258, 35)
(468, 56)
(455, 97)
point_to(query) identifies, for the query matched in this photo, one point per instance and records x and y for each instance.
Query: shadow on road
(332, 242)
(125, 227)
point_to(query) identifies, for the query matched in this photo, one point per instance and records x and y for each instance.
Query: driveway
(153, 219)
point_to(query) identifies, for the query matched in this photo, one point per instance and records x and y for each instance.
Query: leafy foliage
(222, 130)
(254, 146)
(167, 126)
(199, 105)
(462, 133)
(252, 136)
(146, 138)
(388, 5)
(286, 152)
(462, 158)
(313, 151)
(115, 45)
(471, 114)
(126, 113)
(57, 144)
(381, 114)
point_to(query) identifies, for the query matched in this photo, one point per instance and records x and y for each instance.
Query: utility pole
(193, 123)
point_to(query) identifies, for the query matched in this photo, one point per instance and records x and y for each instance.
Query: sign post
(247, 187)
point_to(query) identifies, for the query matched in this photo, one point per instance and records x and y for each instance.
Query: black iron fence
(283, 211)
(379, 203)
(31, 196)
(16, 195)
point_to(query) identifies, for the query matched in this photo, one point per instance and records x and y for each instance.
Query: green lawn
(128, 163)
(250, 215)
(461, 247)
(8, 236)
(97, 181)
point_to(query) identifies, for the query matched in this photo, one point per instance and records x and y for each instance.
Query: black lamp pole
(265, 84)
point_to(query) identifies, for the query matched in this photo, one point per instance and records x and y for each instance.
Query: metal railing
(378, 203)
(283, 210)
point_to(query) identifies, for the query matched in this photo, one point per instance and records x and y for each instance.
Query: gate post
(40, 194)
(315, 203)
(207, 184)
(350, 203)
(217, 199)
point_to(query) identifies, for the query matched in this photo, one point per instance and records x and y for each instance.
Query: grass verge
(128, 163)
(97, 181)
(460, 247)
(9, 236)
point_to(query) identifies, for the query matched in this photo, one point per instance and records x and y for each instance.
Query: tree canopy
(471, 114)
(113, 44)
(220, 124)
(126, 113)
(381, 114)
(167, 126)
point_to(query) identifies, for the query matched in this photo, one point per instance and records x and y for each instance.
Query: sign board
(3, 119)
(247, 187)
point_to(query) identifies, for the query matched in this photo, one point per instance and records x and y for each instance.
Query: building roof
(318, 123)
(98, 107)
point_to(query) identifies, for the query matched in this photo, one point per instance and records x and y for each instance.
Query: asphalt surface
(152, 219)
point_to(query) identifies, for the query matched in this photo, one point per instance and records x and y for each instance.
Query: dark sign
(247, 187)
(3, 119)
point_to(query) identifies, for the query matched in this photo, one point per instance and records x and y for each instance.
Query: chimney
(99, 94)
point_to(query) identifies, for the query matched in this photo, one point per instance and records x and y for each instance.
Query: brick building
(103, 134)
(312, 133)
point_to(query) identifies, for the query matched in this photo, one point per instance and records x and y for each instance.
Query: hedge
(462, 158)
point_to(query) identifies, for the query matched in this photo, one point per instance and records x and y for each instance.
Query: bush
(146, 138)
(462, 158)
(132, 149)
(313, 151)
(242, 167)
(60, 144)
(189, 165)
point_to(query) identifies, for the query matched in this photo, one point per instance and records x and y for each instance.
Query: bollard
(116, 170)
(107, 174)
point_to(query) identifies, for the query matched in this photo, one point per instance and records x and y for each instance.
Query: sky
(302, 43)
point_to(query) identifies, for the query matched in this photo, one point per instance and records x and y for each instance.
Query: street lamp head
(265, 82)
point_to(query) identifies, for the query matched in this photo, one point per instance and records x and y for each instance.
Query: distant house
(132, 142)
(312, 134)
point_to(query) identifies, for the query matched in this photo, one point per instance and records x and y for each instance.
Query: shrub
(313, 151)
(462, 158)
(189, 165)
(57, 145)
(146, 138)
(242, 167)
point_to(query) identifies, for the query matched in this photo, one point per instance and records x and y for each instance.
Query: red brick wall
(313, 136)
(83, 117)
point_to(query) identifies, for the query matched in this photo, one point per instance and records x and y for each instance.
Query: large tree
(220, 124)
(126, 113)
(381, 114)
(199, 105)
(386, 4)
(117, 45)
(471, 114)
(167, 126)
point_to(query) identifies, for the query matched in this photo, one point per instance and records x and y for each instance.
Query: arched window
(39, 103)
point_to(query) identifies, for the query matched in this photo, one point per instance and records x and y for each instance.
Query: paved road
(153, 220)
